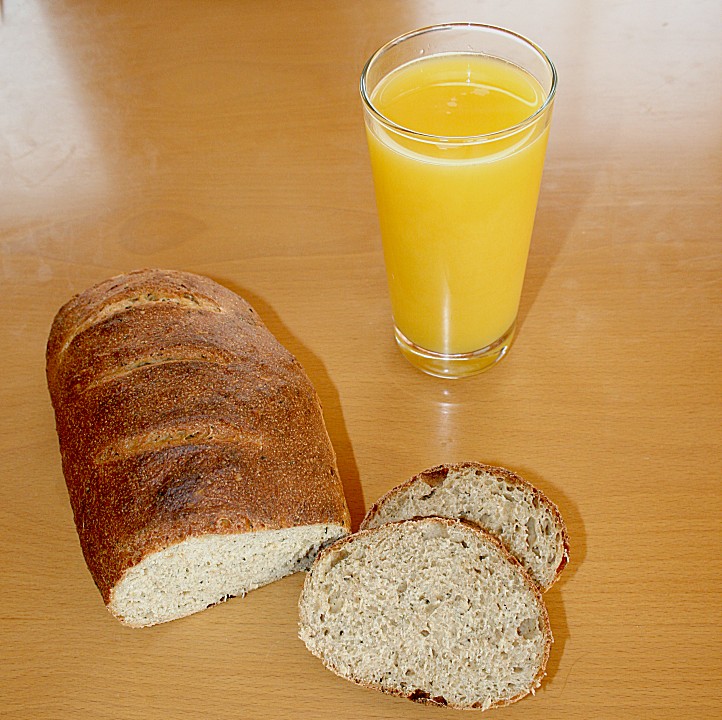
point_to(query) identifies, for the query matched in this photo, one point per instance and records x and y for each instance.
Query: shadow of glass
(553, 226)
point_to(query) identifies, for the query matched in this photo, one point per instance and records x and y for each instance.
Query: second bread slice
(496, 499)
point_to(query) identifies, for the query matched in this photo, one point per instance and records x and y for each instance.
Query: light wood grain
(226, 138)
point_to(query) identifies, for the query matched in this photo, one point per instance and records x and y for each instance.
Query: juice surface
(456, 217)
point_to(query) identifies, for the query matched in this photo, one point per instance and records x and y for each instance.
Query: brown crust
(436, 475)
(421, 696)
(179, 414)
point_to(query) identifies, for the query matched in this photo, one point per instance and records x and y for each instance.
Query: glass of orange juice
(457, 119)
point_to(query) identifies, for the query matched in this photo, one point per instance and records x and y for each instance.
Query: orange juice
(456, 210)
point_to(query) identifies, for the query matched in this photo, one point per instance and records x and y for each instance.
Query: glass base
(455, 366)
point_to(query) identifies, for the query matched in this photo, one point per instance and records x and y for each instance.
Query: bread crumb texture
(202, 571)
(431, 609)
(500, 501)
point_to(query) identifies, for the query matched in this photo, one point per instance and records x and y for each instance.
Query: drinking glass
(457, 119)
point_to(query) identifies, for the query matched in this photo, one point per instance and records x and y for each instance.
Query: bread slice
(498, 500)
(193, 445)
(432, 609)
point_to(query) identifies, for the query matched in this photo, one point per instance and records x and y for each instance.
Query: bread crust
(434, 476)
(418, 695)
(179, 414)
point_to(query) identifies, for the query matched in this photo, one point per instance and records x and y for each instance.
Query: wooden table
(226, 138)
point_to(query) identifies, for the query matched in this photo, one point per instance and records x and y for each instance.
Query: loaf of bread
(193, 445)
(501, 502)
(432, 609)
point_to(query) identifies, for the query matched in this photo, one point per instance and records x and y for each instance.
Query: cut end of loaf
(202, 571)
(431, 609)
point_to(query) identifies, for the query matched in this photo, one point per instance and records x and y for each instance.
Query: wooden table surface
(226, 138)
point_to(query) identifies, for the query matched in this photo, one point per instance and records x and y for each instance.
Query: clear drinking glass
(457, 119)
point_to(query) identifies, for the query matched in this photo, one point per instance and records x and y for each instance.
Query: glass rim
(462, 139)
